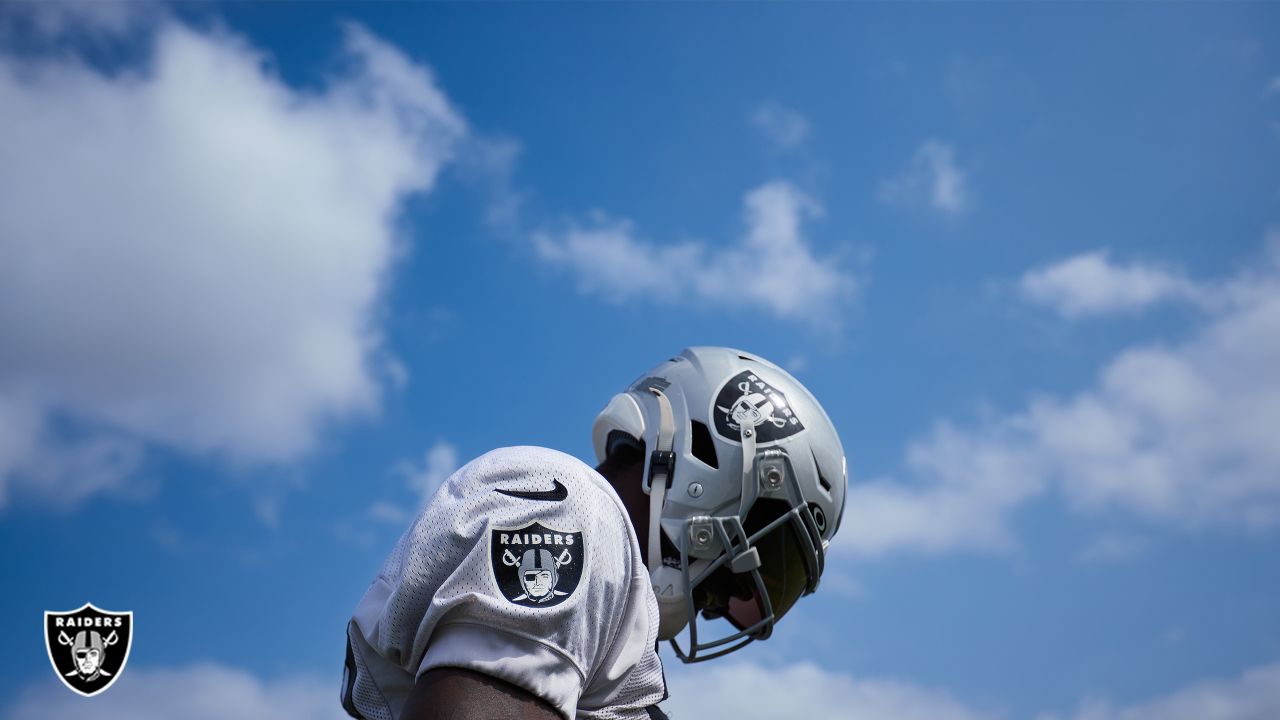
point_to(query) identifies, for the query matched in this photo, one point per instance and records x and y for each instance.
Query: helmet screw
(773, 478)
(695, 489)
(701, 536)
(748, 432)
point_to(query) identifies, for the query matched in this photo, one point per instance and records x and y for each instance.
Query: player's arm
(448, 693)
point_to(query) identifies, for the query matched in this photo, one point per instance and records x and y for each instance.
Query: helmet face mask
(787, 571)
(743, 469)
(777, 564)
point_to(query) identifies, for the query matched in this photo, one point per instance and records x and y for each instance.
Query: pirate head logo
(538, 573)
(747, 400)
(88, 647)
(535, 566)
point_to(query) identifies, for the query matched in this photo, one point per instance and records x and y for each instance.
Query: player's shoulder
(530, 472)
(520, 457)
(524, 566)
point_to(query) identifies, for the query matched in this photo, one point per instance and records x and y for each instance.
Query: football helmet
(746, 481)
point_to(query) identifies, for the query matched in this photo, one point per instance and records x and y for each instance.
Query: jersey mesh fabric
(366, 696)
(639, 682)
(437, 600)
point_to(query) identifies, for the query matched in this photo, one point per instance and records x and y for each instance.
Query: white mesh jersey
(524, 567)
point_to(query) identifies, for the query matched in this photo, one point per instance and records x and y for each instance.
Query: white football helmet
(746, 481)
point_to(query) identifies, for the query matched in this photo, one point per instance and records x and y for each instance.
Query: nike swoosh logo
(557, 493)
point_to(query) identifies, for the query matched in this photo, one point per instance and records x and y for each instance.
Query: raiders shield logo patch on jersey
(88, 647)
(746, 399)
(536, 566)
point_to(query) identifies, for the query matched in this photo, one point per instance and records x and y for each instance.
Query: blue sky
(272, 271)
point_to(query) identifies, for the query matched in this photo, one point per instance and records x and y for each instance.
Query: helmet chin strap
(661, 466)
(668, 582)
(748, 494)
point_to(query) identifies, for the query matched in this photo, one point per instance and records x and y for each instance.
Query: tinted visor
(786, 567)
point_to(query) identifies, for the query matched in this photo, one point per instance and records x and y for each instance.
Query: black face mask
(786, 577)
(784, 568)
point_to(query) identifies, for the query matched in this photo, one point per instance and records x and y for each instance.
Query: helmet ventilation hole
(821, 480)
(703, 448)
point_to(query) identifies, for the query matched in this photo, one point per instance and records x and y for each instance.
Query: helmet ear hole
(622, 446)
(703, 448)
(819, 517)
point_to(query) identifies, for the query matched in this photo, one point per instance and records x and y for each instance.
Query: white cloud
(771, 268)
(388, 513)
(746, 692)
(194, 250)
(783, 126)
(1090, 284)
(1112, 548)
(1179, 434)
(797, 363)
(932, 179)
(197, 692)
(1254, 695)
(421, 477)
(489, 163)
(425, 477)
(610, 261)
(97, 20)
(967, 482)
(1184, 432)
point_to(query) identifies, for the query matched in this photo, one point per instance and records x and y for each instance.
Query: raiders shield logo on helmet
(536, 566)
(746, 399)
(88, 647)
